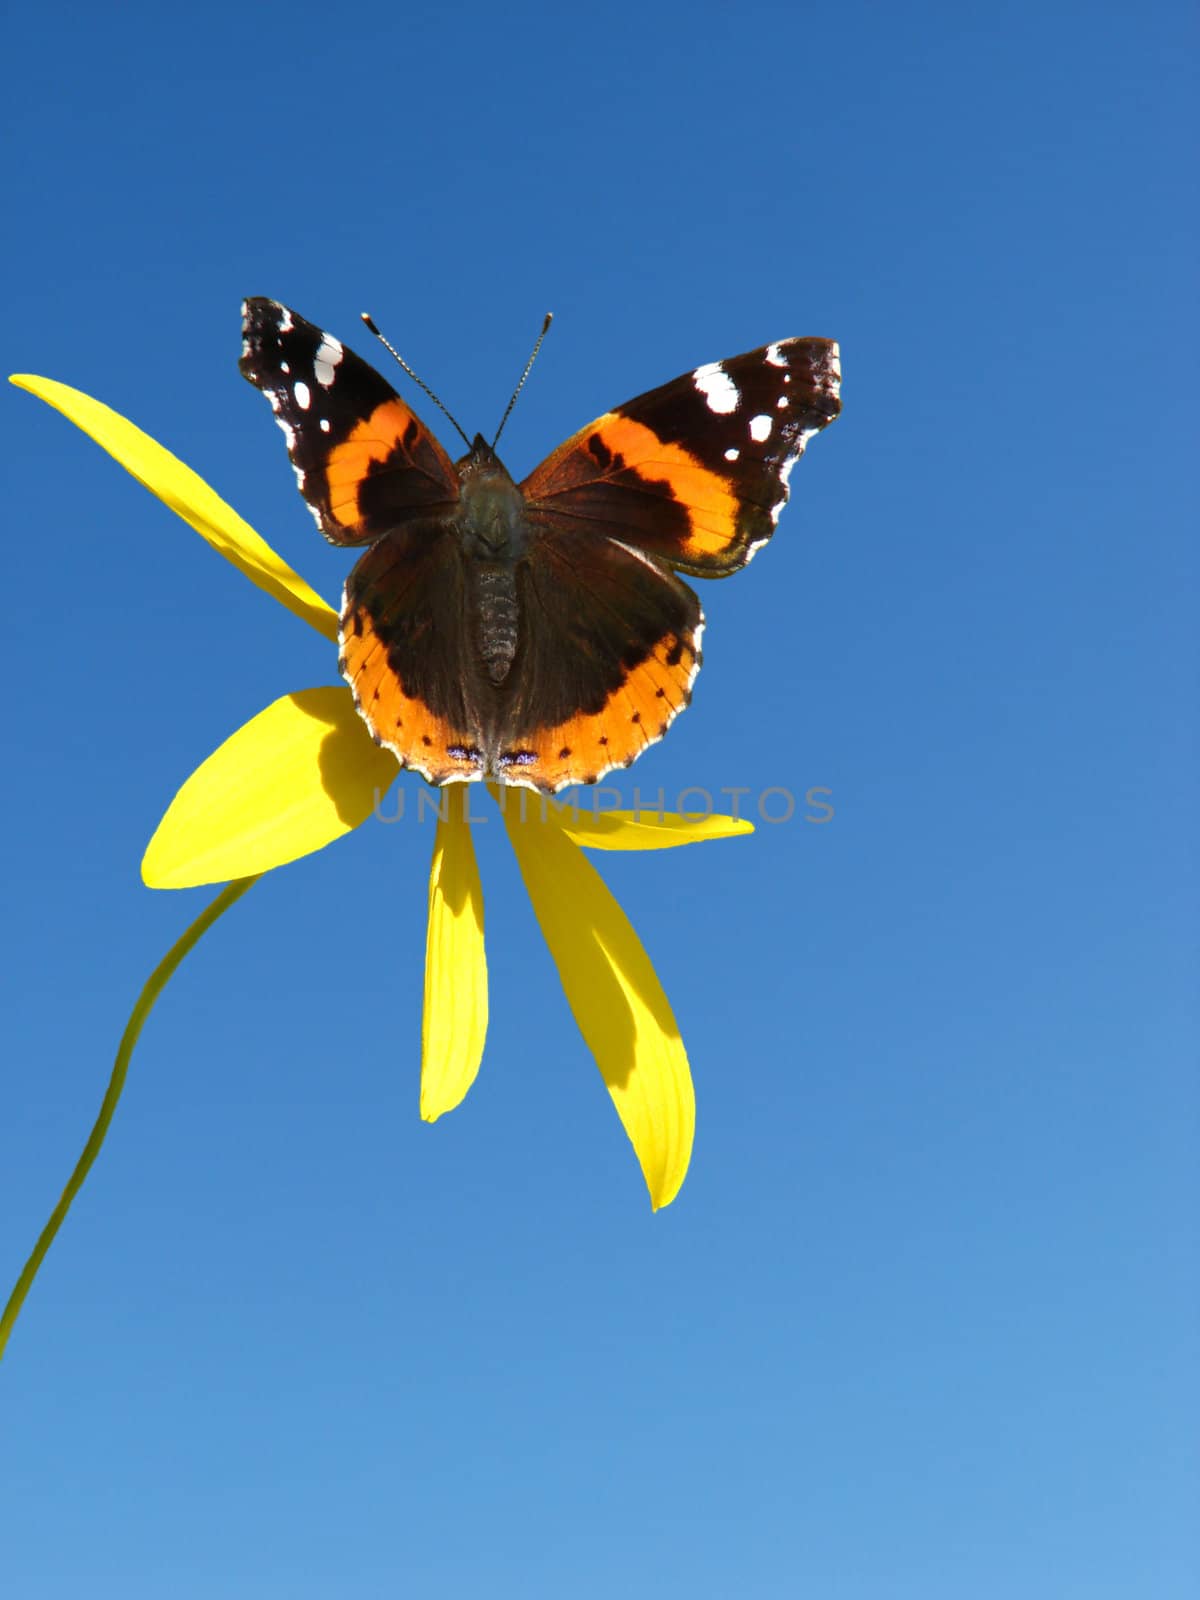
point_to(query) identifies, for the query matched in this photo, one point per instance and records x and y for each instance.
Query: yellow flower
(305, 771)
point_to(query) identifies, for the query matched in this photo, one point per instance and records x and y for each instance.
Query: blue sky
(923, 1320)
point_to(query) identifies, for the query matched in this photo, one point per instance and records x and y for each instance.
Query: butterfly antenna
(391, 349)
(524, 375)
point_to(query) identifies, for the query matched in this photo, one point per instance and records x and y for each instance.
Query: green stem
(155, 985)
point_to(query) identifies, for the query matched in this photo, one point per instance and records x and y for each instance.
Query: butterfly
(538, 633)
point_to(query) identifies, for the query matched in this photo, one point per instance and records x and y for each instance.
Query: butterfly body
(534, 633)
(493, 533)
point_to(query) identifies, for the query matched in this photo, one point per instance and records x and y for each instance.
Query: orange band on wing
(416, 736)
(711, 504)
(635, 715)
(349, 462)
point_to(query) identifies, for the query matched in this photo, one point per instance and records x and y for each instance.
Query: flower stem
(154, 986)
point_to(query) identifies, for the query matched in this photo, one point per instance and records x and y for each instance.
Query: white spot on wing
(283, 367)
(785, 472)
(802, 439)
(697, 652)
(302, 393)
(329, 353)
(717, 387)
(775, 356)
(760, 428)
(285, 321)
(324, 424)
(731, 454)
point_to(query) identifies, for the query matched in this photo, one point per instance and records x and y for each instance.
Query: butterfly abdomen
(497, 616)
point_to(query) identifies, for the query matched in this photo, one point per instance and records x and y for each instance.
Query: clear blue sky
(923, 1321)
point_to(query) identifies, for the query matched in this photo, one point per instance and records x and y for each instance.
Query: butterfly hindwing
(363, 460)
(609, 651)
(696, 471)
(404, 650)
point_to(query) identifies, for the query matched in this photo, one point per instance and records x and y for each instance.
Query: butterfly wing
(406, 652)
(364, 462)
(610, 648)
(696, 471)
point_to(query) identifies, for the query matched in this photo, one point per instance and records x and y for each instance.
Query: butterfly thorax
(494, 531)
(491, 509)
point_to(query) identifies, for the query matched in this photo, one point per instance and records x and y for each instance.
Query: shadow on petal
(344, 759)
(456, 988)
(615, 997)
(291, 780)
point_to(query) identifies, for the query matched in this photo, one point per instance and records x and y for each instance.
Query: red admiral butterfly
(535, 633)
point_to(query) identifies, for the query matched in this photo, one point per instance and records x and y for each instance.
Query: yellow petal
(456, 993)
(187, 494)
(154, 986)
(646, 830)
(616, 998)
(297, 776)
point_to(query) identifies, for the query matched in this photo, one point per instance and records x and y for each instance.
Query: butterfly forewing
(364, 462)
(696, 471)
